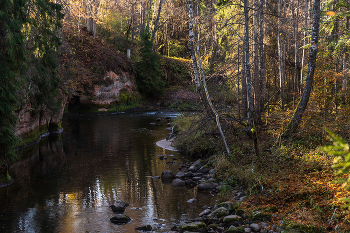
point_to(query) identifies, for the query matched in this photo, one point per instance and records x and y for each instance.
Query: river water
(66, 182)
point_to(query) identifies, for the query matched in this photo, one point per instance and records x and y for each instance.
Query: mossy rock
(194, 226)
(213, 226)
(232, 220)
(298, 228)
(260, 217)
(240, 212)
(235, 230)
(271, 209)
(219, 212)
(230, 206)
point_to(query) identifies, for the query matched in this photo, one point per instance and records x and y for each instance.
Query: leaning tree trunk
(194, 61)
(193, 55)
(304, 43)
(296, 32)
(299, 111)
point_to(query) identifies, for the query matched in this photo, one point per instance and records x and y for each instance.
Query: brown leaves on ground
(85, 62)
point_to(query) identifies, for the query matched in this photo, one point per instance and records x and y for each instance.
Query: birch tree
(281, 52)
(196, 73)
(299, 111)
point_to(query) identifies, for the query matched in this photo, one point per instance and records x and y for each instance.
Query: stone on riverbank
(120, 219)
(180, 175)
(207, 186)
(260, 217)
(219, 212)
(232, 220)
(205, 212)
(194, 226)
(178, 183)
(167, 174)
(196, 165)
(230, 206)
(235, 230)
(255, 227)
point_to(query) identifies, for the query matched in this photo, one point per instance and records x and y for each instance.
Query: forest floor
(293, 180)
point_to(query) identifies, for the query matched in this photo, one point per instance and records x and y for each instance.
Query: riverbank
(292, 180)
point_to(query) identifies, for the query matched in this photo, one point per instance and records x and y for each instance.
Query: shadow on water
(66, 182)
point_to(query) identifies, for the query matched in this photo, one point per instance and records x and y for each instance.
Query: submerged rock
(144, 228)
(120, 219)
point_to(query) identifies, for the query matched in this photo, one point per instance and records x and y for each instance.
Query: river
(66, 182)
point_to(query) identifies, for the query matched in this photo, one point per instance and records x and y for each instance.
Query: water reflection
(67, 183)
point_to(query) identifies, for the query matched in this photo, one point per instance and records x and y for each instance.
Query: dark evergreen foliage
(12, 58)
(28, 42)
(148, 75)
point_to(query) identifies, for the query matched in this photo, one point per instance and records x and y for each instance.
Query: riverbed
(67, 181)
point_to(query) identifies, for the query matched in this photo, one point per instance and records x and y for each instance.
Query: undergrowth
(293, 176)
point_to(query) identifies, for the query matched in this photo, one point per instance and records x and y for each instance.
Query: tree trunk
(193, 54)
(132, 23)
(281, 53)
(203, 76)
(89, 22)
(94, 28)
(250, 123)
(304, 43)
(262, 62)
(296, 31)
(255, 80)
(156, 22)
(298, 114)
(345, 65)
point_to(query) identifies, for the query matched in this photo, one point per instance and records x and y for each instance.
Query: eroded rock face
(28, 120)
(108, 94)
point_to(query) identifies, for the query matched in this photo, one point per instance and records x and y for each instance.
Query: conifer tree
(12, 58)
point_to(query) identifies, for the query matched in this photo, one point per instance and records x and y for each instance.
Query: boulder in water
(119, 206)
(120, 219)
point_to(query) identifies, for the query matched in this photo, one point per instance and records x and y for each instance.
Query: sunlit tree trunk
(281, 53)
(298, 114)
(304, 43)
(132, 22)
(194, 61)
(193, 54)
(296, 32)
(345, 64)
